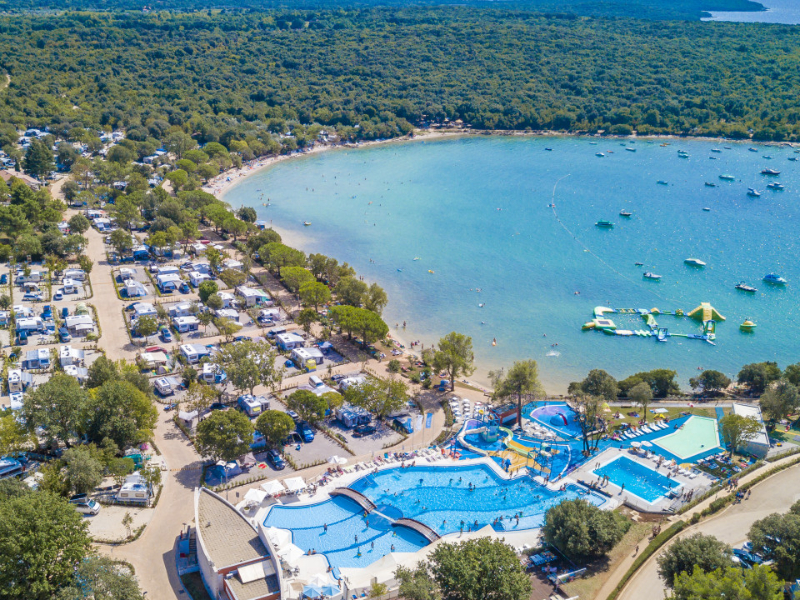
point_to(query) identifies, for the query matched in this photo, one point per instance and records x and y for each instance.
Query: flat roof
(227, 537)
(753, 412)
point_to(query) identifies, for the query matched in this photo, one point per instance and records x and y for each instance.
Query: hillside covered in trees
(373, 73)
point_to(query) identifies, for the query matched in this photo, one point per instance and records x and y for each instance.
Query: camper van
(84, 504)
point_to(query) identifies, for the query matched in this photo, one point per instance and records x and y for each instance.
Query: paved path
(775, 494)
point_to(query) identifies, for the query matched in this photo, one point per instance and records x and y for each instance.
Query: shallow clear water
(638, 479)
(778, 11)
(380, 207)
(695, 436)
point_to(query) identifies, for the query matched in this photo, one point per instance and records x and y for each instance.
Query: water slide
(705, 312)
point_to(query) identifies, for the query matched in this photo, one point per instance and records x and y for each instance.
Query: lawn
(673, 412)
(194, 586)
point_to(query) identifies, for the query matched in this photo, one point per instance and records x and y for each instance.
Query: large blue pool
(640, 480)
(439, 497)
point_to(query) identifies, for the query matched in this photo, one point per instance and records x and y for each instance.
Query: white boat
(653, 276)
(695, 262)
(600, 154)
(753, 193)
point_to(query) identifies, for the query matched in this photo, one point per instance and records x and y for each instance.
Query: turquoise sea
(476, 211)
(778, 11)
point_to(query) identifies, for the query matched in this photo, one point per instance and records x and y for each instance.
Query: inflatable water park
(704, 313)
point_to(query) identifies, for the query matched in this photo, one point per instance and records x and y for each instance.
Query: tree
(416, 584)
(758, 583)
(315, 294)
(455, 356)
(792, 374)
(522, 379)
(482, 568)
(122, 242)
(120, 468)
(296, 277)
(84, 470)
(710, 381)
(780, 400)
(737, 429)
(641, 395)
(206, 288)
(376, 299)
(308, 405)
(351, 291)
(703, 552)
(5, 301)
(274, 425)
(758, 376)
(121, 412)
(242, 363)
(127, 521)
(247, 214)
(101, 370)
(85, 263)
(39, 160)
(779, 536)
(306, 318)
(227, 328)
(276, 256)
(78, 224)
(232, 277)
(146, 326)
(199, 397)
(179, 143)
(42, 539)
(378, 590)
(380, 396)
(101, 578)
(598, 383)
(224, 435)
(13, 435)
(215, 258)
(214, 302)
(581, 530)
(58, 406)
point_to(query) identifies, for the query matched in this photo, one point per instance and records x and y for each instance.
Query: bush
(583, 531)
(394, 366)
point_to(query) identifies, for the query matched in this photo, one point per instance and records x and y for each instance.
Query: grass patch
(598, 572)
(194, 586)
(673, 412)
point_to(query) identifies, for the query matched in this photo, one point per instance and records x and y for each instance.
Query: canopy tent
(646, 444)
(280, 538)
(294, 484)
(290, 554)
(273, 487)
(636, 444)
(337, 460)
(255, 496)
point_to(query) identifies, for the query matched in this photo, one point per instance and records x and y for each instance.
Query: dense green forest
(372, 73)
(643, 9)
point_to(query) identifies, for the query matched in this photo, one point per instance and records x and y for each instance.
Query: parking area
(107, 524)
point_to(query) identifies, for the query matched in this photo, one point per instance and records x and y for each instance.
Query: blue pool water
(439, 201)
(439, 497)
(638, 479)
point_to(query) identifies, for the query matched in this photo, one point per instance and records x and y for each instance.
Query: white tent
(337, 460)
(321, 579)
(294, 484)
(290, 554)
(273, 487)
(280, 538)
(255, 496)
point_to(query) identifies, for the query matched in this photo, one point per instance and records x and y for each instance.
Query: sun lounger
(647, 429)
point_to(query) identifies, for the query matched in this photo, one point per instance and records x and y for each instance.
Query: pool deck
(360, 579)
(697, 481)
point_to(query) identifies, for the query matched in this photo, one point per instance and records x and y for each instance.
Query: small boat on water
(549, 149)
(603, 224)
(746, 288)
(753, 149)
(625, 213)
(639, 264)
(753, 193)
(630, 149)
(712, 158)
(767, 157)
(307, 223)
(726, 177)
(709, 184)
(652, 276)
(707, 209)
(695, 262)
(775, 186)
(770, 172)
(747, 325)
(717, 150)
(683, 155)
(774, 279)
(793, 158)
(662, 182)
(600, 154)
(664, 145)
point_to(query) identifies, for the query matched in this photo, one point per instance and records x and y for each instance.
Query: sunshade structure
(254, 496)
(647, 444)
(636, 444)
(273, 487)
(279, 537)
(337, 460)
(290, 554)
(294, 484)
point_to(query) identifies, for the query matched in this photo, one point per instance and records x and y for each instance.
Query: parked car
(58, 296)
(305, 431)
(364, 430)
(32, 296)
(3, 279)
(63, 334)
(276, 460)
(184, 288)
(84, 504)
(22, 338)
(165, 334)
(294, 415)
(170, 406)
(64, 312)
(242, 338)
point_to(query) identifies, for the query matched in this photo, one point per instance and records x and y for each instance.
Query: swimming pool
(695, 436)
(642, 481)
(443, 498)
(558, 417)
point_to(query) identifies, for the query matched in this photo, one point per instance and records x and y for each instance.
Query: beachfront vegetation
(710, 382)
(520, 383)
(274, 425)
(780, 400)
(779, 536)
(757, 583)
(379, 396)
(482, 568)
(369, 74)
(308, 405)
(736, 430)
(663, 382)
(641, 395)
(597, 383)
(702, 552)
(454, 356)
(581, 530)
(757, 376)
(249, 364)
(224, 435)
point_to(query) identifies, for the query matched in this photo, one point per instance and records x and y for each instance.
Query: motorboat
(753, 149)
(770, 172)
(717, 150)
(712, 158)
(307, 223)
(726, 177)
(549, 149)
(604, 224)
(600, 154)
(707, 209)
(774, 279)
(630, 149)
(652, 276)
(639, 264)
(746, 288)
(793, 158)
(709, 184)
(747, 325)
(662, 182)
(625, 213)
(753, 193)
(775, 186)
(695, 262)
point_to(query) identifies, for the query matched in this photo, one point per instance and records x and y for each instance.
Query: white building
(79, 324)
(253, 296)
(67, 355)
(228, 299)
(228, 313)
(194, 352)
(76, 274)
(196, 278)
(30, 324)
(144, 309)
(757, 445)
(303, 356)
(184, 324)
(182, 309)
(289, 341)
